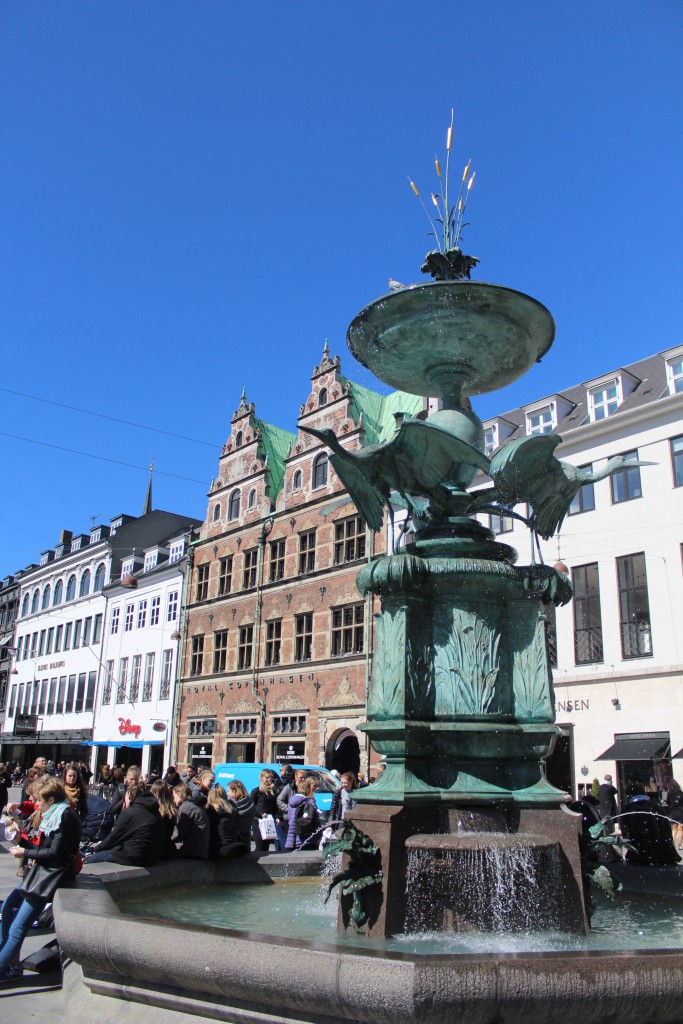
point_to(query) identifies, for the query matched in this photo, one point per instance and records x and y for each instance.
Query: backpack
(306, 819)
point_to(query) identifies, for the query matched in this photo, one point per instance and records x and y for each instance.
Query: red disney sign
(126, 727)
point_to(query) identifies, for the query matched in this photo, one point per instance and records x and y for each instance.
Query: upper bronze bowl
(448, 339)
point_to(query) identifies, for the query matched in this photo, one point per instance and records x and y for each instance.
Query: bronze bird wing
(526, 469)
(424, 455)
(364, 496)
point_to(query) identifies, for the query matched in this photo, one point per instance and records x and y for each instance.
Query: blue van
(249, 775)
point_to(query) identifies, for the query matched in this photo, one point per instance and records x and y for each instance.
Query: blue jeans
(19, 912)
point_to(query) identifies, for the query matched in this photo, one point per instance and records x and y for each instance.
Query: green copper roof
(378, 410)
(276, 444)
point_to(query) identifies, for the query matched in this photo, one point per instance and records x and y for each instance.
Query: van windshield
(325, 782)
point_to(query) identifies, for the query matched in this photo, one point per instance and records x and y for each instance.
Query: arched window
(58, 594)
(234, 506)
(322, 397)
(71, 588)
(34, 601)
(45, 603)
(99, 578)
(85, 584)
(252, 498)
(320, 470)
(216, 513)
(297, 480)
(238, 439)
(24, 605)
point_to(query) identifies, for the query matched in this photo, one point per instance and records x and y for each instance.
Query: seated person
(649, 831)
(225, 840)
(137, 838)
(192, 831)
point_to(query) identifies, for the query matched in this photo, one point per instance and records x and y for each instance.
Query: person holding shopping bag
(50, 864)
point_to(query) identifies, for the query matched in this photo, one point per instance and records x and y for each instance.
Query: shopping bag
(267, 827)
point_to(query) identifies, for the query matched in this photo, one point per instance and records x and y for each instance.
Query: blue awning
(119, 742)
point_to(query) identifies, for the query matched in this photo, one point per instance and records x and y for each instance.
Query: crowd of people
(62, 821)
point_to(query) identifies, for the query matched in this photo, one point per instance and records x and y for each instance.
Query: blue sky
(195, 194)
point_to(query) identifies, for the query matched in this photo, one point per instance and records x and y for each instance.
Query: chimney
(65, 537)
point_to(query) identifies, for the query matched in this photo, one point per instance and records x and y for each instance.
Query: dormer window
(541, 421)
(127, 568)
(604, 401)
(322, 397)
(490, 439)
(177, 551)
(76, 544)
(150, 561)
(674, 373)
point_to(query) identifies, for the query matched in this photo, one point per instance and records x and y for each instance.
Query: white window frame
(546, 420)
(674, 374)
(177, 551)
(490, 445)
(600, 407)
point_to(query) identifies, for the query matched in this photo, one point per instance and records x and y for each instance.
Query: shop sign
(289, 753)
(567, 706)
(126, 728)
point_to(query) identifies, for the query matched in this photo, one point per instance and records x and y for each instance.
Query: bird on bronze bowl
(418, 461)
(526, 470)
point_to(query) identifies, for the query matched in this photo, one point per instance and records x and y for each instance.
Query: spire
(147, 508)
(326, 351)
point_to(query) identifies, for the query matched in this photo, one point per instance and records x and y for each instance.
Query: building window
(249, 571)
(216, 513)
(166, 674)
(150, 561)
(238, 439)
(87, 629)
(490, 439)
(297, 480)
(306, 552)
(303, 636)
(123, 678)
(550, 633)
(500, 523)
(135, 672)
(349, 540)
(177, 551)
(97, 629)
(634, 607)
(224, 575)
(128, 624)
(197, 655)
(540, 422)
(202, 589)
(142, 614)
(347, 629)
(251, 501)
(273, 641)
(35, 600)
(674, 370)
(245, 647)
(603, 401)
(626, 482)
(277, 560)
(84, 588)
(289, 723)
(90, 691)
(77, 634)
(67, 636)
(114, 623)
(59, 636)
(172, 607)
(99, 578)
(202, 727)
(154, 611)
(587, 615)
(58, 594)
(24, 605)
(677, 460)
(148, 684)
(234, 506)
(322, 397)
(71, 588)
(108, 677)
(240, 726)
(320, 470)
(220, 650)
(46, 598)
(584, 499)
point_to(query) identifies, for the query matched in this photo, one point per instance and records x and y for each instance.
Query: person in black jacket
(52, 863)
(192, 831)
(225, 840)
(137, 838)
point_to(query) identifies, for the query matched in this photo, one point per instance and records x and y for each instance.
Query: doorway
(342, 753)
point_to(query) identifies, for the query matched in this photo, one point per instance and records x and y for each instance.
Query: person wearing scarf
(50, 865)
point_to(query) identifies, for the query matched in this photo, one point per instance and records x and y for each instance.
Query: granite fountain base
(121, 969)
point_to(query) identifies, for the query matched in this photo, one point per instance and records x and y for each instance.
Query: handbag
(267, 828)
(43, 880)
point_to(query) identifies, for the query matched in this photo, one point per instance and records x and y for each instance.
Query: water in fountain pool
(294, 908)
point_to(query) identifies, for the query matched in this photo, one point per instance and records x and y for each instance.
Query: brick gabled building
(276, 637)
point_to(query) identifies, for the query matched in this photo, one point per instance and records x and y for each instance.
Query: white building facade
(617, 647)
(135, 713)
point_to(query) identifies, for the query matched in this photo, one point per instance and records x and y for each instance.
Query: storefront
(200, 755)
(146, 754)
(641, 758)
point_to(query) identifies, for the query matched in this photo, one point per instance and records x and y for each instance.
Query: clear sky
(195, 194)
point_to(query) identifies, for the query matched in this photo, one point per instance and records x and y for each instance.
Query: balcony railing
(588, 645)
